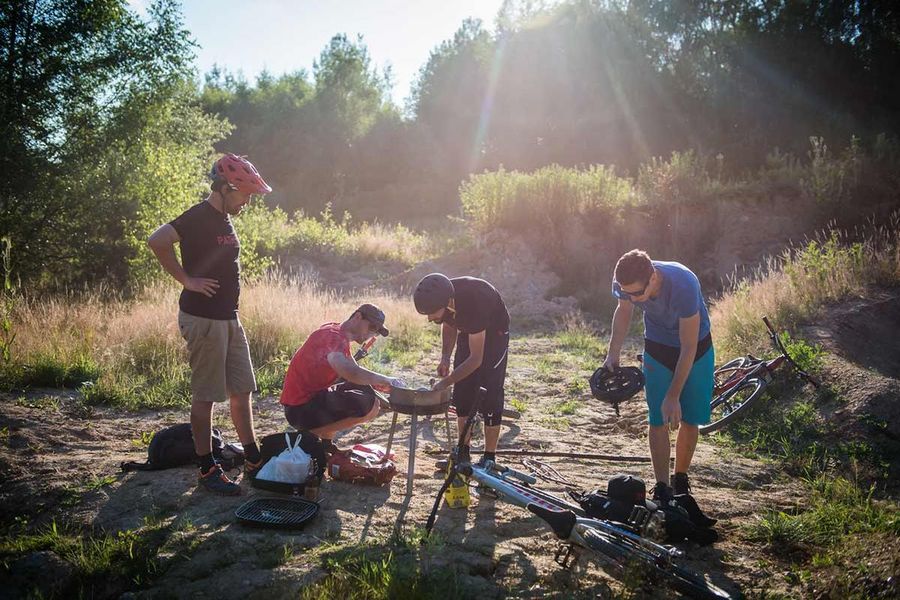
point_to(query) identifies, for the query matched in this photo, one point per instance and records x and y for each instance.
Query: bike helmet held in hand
(433, 293)
(240, 173)
(616, 386)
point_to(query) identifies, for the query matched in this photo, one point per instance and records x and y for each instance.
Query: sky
(282, 36)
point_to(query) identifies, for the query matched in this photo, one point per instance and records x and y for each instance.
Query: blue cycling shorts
(695, 396)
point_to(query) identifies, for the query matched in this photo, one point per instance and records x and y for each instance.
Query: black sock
(251, 452)
(205, 461)
(490, 456)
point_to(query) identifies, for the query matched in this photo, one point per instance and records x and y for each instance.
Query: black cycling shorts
(491, 375)
(339, 402)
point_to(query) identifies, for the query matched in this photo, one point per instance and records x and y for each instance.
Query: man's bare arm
(348, 369)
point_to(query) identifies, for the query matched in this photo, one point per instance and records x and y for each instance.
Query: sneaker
(680, 484)
(215, 481)
(251, 468)
(662, 494)
(483, 462)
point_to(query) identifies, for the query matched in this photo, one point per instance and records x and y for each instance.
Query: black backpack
(623, 493)
(174, 447)
(683, 518)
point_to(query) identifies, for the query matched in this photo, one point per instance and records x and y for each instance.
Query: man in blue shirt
(678, 357)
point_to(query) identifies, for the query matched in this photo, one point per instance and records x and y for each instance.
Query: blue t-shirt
(678, 298)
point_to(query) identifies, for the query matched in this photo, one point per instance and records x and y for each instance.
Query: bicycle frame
(497, 478)
(750, 366)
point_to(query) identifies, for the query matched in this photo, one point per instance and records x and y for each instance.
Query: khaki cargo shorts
(219, 357)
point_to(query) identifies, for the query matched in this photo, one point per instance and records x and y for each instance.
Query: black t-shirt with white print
(209, 248)
(479, 307)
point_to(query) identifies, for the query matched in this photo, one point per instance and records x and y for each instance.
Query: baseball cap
(373, 315)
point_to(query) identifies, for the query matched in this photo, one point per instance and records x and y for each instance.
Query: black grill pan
(277, 513)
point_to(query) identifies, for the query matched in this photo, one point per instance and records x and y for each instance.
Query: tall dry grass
(279, 313)
(794, 287)
(133, 350)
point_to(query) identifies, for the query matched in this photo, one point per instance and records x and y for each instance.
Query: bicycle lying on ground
(616, 545)
(741, 382)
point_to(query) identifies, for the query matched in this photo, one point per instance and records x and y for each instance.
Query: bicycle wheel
(620, 552)
(726, 407)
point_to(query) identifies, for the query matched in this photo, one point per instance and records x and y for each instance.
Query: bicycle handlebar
(780, 347)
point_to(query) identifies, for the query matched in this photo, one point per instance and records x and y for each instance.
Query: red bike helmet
(240, 173)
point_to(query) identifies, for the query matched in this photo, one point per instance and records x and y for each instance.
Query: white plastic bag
(292, 466)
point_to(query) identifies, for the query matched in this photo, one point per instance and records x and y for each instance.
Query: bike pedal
(566, 555)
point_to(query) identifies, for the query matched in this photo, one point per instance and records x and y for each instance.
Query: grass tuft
(397, 568)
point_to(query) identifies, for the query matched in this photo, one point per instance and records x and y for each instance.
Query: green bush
(808, 357)
(516, 200)
(682, 178)
(832, 179)
(267, 235)
(53, 371)
(794, 288)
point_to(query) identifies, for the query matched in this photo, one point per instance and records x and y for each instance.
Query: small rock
(44, 572)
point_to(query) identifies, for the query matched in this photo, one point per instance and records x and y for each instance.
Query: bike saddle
(616, 386)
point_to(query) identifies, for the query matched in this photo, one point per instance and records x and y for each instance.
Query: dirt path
(61, 462)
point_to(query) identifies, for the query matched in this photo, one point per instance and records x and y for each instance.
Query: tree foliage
(581, 82)
(100, 135)
(104, 133)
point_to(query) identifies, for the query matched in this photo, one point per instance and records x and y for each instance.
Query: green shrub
(516, 200)
(781, 173)
(55, 371)
(808, 357)
(682, 178)
(831, 179)
(267, 235)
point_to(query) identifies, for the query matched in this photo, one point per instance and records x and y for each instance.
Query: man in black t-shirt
(474, 319)
(208, 315)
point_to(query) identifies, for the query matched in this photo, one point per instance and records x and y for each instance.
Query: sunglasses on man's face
(623, 295)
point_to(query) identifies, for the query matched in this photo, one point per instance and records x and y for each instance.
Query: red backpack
(364, 463)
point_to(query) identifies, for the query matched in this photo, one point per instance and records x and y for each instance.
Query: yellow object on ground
(457, 495)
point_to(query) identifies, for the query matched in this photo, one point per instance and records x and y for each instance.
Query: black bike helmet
(433, 293)
(616, 386)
